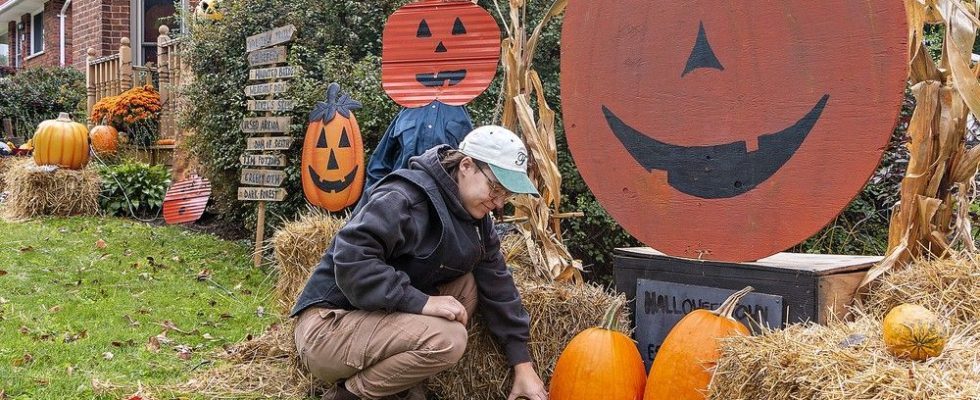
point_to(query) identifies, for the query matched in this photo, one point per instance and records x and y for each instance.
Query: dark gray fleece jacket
(408, 235)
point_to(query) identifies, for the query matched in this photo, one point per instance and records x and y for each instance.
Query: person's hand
(445, 307)
(527, 384)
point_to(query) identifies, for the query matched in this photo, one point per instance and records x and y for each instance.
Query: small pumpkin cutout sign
(333, 154)
(730, 133)
(439, 50)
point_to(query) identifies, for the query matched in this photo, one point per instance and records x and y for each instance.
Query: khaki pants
(381, 353)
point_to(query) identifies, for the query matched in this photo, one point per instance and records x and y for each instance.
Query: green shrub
(133, 189)
(37, 94)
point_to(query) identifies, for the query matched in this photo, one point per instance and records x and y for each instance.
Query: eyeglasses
(497, 191)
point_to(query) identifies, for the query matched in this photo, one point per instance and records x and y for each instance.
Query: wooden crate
(798, 287)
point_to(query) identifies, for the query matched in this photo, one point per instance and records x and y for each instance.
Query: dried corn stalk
(521, 85)
(931, 215)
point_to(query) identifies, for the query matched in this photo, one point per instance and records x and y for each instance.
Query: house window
(4, 51)
(152, 14)
(37, 32)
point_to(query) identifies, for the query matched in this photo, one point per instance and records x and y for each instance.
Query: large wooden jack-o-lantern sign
(333, 154)
(439, 50)
(730, 133)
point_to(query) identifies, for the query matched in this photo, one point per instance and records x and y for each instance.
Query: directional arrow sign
(266, 125)
(266, 88)
(261, 194)
(269, 143)
(261, 160)
(271, 105)
(274, 55)
(262, 177)
(276, 36)
(286, 72)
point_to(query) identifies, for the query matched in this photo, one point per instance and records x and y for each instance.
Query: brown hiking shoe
(338, 392)
(417, 392)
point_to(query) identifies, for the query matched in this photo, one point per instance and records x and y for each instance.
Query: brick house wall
(101, 26)
(51, 55)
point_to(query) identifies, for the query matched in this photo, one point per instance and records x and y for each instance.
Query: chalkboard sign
(660, 305)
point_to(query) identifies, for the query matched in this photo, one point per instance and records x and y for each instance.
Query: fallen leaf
(127, 252)
(100, 244)
(260, 311)
(63, 230)
(26, 249)
(225, 316)
(184, 352)
(175, 259)
(107, 355)
(135, 397)
(2, 272)
(132, 322)
(3, 395)
(23, 360)
(153, 345)
(41, 382)
(204, 275)
(5, 301)
(70, 370)
(54, 309)
(208, 336)
(24, 330)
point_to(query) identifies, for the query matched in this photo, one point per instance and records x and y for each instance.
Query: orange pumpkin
(61, 142)
(439, 50)
(599, 363)
(105, 139)
(912, 332)
(684, 364)
(333, 155)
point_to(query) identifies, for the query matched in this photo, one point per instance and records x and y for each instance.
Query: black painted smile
(440, 78)
(333, 186)
(719, 171)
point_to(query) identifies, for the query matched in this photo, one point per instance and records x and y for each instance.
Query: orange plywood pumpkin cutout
(186, 200)
(729, 133)
(439, 50)
(333, 155)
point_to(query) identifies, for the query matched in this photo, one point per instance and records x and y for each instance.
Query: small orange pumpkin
(684, 364)
(61, 142)
(105, 139)
(912, 332)
(332, 167)
(600, 363)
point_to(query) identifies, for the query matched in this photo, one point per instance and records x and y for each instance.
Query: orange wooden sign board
(730, 133)
(439, 50)
(185, 200)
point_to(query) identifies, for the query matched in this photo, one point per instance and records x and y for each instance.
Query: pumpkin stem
(610, 320)
(64, 117)
(728, 307)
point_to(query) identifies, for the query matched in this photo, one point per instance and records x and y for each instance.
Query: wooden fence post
(125, 66)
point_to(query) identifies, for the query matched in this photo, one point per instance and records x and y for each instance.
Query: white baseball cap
(504, 152)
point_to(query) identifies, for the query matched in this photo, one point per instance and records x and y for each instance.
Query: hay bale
(39, 191)
(949, 287)
(842, 361)
(558, 312)
(4, 166)
(298, 247)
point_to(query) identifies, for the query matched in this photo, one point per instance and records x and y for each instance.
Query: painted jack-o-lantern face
(439, 50)
(333, 155)
(730, 133)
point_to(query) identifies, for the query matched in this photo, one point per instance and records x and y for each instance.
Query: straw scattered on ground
(49, 191)
(298, 247)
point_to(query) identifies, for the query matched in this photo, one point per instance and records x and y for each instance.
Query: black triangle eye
(344, 140)
(458, 28)
(423, 30)
(322, 142)
(701, 55)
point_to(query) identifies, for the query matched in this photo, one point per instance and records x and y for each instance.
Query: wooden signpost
(259, 183)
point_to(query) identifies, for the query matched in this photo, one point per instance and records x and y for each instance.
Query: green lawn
(73, 311)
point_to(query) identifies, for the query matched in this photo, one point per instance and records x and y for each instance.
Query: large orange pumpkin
(105, 139)
(912, 332)
(439, 50)
(61, 142)
(333, 155)
(683, 366)
(599, 363)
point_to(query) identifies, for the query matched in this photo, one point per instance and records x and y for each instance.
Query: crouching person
(389, 303)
